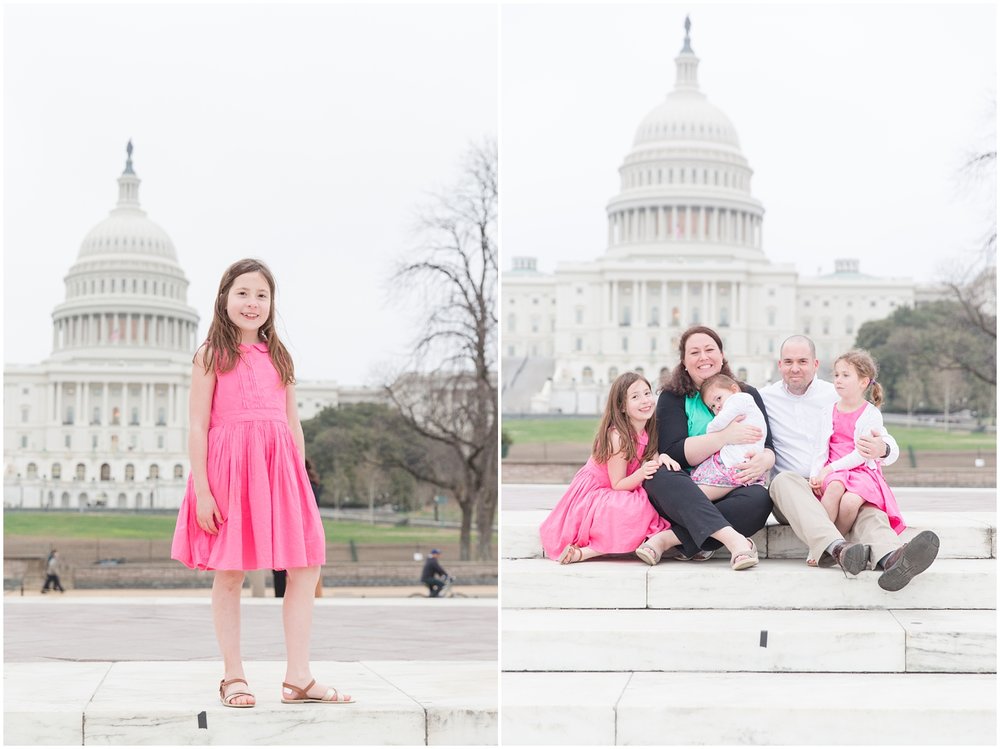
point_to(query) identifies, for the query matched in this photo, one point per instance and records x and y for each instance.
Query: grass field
(537, 431)
(158, 527)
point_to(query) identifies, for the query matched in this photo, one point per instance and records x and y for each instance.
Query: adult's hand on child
(755, 466)
(207, 513)
(738, 433)
(873, 447)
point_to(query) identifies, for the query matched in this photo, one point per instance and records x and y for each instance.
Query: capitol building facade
(104, 420)
(684, 247)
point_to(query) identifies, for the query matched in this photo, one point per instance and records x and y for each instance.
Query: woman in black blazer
(703, 525)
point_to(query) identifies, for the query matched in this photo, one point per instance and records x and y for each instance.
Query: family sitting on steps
(681, 477)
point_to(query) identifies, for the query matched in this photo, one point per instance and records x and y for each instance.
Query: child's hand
(649, 468)
(815, 483)
(207, 513)
(670, 463)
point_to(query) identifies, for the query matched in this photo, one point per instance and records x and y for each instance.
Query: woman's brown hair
(864, 364)
(679, 382)
(615, 417)
(222, 346)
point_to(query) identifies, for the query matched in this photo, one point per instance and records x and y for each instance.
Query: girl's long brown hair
(614, 416)
(864, 364)
(679, 381)
(222, 347)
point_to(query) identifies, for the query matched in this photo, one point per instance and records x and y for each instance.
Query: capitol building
(103, 421)
(685, 246)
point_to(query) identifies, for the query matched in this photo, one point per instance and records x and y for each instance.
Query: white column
(57, 401)
(146, 414)
(172, 405)
(85, 387)
(105, 401)
(126, 417)
(609, 299)
(615, 319)
(687, 223)
(744, 305)
(640, 303)
(663, 303)
(760, 233)
(684, 304)
(78, 400)
(710, 317)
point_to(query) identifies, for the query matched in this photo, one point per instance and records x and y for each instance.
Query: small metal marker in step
(203, 719)
(763, 638)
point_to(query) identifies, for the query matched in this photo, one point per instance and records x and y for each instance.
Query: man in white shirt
(794, 407)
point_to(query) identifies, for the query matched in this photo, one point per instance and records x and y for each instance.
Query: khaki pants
(797, 506)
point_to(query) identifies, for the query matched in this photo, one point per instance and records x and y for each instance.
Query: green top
(698, 415)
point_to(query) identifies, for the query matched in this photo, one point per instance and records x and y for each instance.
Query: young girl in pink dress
(249, 504)
(605, 509)
(840, 477)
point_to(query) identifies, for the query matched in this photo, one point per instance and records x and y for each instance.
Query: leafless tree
(449, 283)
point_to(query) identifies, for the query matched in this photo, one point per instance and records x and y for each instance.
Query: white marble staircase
(611, 651)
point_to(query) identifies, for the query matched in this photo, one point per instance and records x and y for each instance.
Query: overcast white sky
(854, 117)
(306, 135)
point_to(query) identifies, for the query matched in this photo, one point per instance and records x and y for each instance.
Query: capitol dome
(685, 183)
(687, 116)
(126, 289)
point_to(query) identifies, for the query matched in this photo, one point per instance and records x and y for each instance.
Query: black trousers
(53, 580)
(280, 581)
(434, 586)
(694, 517)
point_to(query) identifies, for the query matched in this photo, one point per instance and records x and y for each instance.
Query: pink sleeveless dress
(867, 483)
(593, 514)
(258, 479)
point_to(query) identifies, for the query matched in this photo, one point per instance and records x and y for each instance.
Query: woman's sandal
(227, 698)
(571, 554)
(745, 559)
(648, 554)
(332, 696)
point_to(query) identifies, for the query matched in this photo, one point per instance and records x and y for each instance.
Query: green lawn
(145, 527)
(537, 431)
(534, 431)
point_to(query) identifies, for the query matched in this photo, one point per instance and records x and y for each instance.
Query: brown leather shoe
(853, 558)
(909, 560)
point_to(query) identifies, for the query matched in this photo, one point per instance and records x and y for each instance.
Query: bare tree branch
(451, 397)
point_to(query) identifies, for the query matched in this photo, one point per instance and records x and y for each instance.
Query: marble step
(964, 535)
(773, 584)
(159, 703)
(750, 640)
(748, 708)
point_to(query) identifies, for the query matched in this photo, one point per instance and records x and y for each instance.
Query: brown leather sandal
(332, 696)
(227, 698)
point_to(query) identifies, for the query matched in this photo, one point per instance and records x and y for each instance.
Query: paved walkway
(117, 627)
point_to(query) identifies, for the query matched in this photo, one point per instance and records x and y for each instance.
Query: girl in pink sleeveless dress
(249, 504)
(841, 479)
(605, 509)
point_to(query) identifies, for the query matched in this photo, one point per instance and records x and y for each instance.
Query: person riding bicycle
(434, 576)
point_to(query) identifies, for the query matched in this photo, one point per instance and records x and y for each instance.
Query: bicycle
(448, 591)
